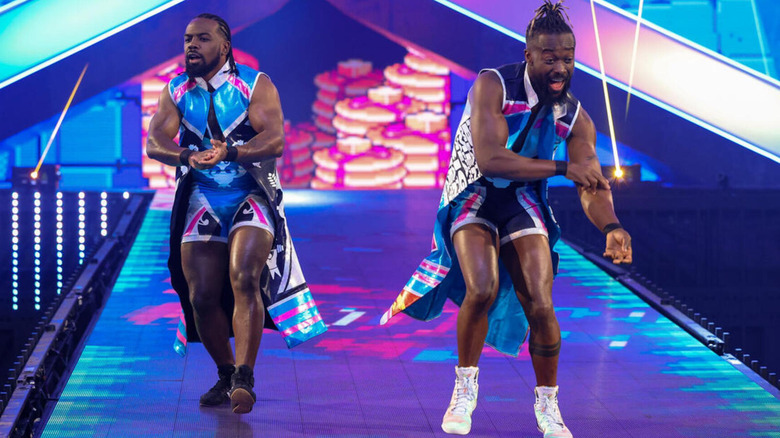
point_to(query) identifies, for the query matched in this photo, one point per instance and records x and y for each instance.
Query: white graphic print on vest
(463, 166)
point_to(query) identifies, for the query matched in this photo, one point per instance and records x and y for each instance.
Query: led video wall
(369, 128)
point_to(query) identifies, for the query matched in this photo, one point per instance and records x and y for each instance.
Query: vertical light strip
(59, 243)
(633, 53)
(760, 37)
(37, 248)
(618, 170)
(82, 232)
(103, 214)
(15, 250)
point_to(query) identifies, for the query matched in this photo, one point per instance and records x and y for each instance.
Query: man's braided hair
(549, 18)
(224, 29)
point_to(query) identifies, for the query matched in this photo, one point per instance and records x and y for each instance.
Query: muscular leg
(249, 249)
(528, 261)
(477, 251)
(205, 266)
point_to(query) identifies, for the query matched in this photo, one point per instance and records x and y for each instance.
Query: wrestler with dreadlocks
(494, 234)
(232, 261)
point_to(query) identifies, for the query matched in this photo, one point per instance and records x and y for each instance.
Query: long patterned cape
(289, 304)
(438, 277)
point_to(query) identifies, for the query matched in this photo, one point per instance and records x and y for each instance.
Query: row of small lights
(15, 250)
(59, 242)
(37, 247)
(82, 227)
(60, 232)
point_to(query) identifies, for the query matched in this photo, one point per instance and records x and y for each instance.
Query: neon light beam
(633, 54)
(34, 173)
(618, 171)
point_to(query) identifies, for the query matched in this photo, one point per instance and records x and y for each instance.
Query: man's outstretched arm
(597, 204)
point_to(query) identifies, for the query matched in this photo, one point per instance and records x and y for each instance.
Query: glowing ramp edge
(37, 33)
(675, 74)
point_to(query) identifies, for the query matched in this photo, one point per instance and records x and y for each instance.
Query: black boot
(218, 394)
(241, 395)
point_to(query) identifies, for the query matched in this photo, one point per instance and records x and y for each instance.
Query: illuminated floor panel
(626, 371)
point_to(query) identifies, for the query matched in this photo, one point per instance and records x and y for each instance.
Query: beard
(542, 86)
(547, 96)
(559, 98)
(202, 68)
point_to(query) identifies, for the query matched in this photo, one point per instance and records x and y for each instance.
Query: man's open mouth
(557, 84)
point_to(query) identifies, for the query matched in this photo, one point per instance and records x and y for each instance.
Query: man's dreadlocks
(549, 18)
(224, 29)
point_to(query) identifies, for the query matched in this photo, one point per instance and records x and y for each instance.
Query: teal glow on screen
(38, 33)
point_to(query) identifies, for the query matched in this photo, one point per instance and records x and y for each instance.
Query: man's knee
(482, 293)
(541, 310)
(203, 301)
(244, 281)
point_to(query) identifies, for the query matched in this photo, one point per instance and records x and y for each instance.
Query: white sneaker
(548, 416)
(457, 419)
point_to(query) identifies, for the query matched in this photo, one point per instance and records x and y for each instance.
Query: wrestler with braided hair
(232, 260)
(495, 231)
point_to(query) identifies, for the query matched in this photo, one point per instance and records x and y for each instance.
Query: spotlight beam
(34, 173)
(618, 171)
(633, 53)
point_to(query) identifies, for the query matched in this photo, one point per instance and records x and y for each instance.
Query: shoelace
(551, 413)
(464, 395)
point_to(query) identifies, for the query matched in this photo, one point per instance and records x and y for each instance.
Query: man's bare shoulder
(488, 90)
